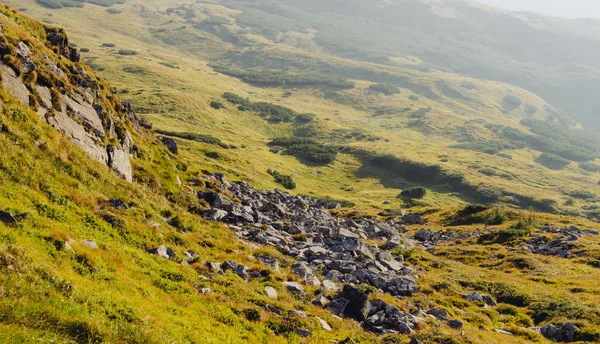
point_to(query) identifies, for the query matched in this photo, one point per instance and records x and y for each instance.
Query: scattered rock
(324, 325)
(338, 306)
(215, 215)
(413, 219)
(270, 262)
(297, 314)
(476, 297)
(117, 204)
(414, 340)
(213, 267)
(89, 243)
(439, 313)
(305, 272)
(304, 333)
(7, 218)
(294, 288)
(320, 301)
(238, 269)
(503, 332)
(358, 305)
(564, 333)
(169, 143)
(455, 324)
(164, 252)
(271, 293)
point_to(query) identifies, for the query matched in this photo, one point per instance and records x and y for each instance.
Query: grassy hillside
(446, 132)
(184, 62)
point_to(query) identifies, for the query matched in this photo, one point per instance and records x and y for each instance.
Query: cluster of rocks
(303, 228)
(561, 245)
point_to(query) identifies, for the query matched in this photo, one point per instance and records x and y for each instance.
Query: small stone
(117, 204)
(438, 313)
(89, 243)
(215, 215)
(321, 301)
(294, 287)
(213, 267)
(324, 325)
(297, 314)
(205, 291)
(455, 324)
(329, 285)
(271, 293)
(414, 340)
(304, 333)
(503, 332)
(164, 252)
(338, 306)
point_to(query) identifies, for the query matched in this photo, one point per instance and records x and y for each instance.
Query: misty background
(558, 8)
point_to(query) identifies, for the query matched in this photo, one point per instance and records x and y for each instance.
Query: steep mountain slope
(81, 248)
(166, 61)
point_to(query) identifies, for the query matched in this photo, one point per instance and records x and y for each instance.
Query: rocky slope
(86, 257)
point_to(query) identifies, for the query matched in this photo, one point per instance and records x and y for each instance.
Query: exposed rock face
(118, 160)
(73, 111)
(13, 84)
(78, 136)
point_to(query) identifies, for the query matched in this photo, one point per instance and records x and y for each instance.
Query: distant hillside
(557, 59)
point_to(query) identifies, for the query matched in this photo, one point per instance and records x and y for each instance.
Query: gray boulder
(89, 243)
(271, 293)
(7, 218)
(413, 219)
(564, 333)
(163, 251)
(238, 269)
(170, 144)
(215, 214)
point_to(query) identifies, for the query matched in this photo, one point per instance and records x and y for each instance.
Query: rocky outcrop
(37, 80)
(564, 333)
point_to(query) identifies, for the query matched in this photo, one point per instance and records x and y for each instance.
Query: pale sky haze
(557, 8)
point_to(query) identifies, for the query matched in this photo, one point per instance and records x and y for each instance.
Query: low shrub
(413, 192)
(286, 181)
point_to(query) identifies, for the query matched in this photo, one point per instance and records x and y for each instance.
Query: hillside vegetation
(458, 184)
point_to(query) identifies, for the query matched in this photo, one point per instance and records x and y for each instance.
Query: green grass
(119, 293)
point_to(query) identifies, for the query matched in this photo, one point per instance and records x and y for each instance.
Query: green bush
(552, 161)
(109, 45)
(511, 102)
(279, 79)
(307, 149)
(550, 307)
(413, 192)
(203, 138)
(286, 181)
(582, 194)
(387, 89)
(127, 52)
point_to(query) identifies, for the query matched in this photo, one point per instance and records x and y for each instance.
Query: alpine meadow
(286, 171)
